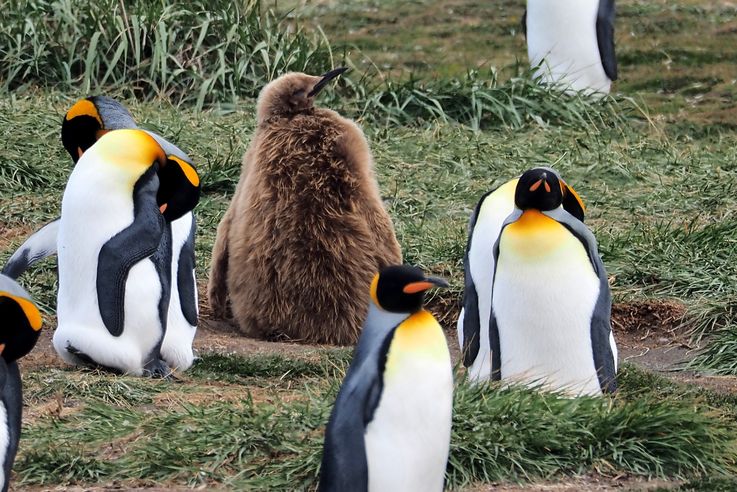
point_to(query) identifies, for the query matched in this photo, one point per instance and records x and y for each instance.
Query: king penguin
(21, 325)
(571, 43)
(307, 216)
(114, 249)
(390, 427)
(86, 121)
(478, 263)
(551, 305)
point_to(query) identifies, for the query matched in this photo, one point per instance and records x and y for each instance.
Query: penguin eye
(299, 93)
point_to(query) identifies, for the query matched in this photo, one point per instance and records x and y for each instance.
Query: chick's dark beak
(423, 285)
(327, 77)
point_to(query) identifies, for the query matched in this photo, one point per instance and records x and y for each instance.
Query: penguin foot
(87, 361)
(157, 369)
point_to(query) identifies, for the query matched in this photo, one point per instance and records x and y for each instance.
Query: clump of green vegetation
(233, 437)
(480, 100)
(203, 52)
(195, 52)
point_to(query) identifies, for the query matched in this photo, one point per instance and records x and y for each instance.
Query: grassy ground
(659, 178)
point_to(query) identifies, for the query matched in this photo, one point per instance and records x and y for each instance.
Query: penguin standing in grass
(19, 331)
(114, 249)
(390, 427)
(571, 42)
(306, 227)
(478, 263)
(85, 122)
(551, 305)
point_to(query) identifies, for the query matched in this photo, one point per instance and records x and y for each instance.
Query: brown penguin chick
(306, 231)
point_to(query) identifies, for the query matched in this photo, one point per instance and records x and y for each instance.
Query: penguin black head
(401, 288)
(21, 320)
(89, 119)
(179, 188)
(291, 94)
(539, 189)
(141, 155)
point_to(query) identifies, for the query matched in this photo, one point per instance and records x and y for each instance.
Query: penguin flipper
(605, 37)
(12, 397)
(186, 283)
(524, 23)
(120, 253)
(344, 462)
(40, 245)
(469, 326)
(602, 340)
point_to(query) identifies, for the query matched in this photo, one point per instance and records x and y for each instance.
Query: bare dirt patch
(588, 483)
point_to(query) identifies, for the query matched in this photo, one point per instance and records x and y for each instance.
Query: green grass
(450, 112)
(186, 437)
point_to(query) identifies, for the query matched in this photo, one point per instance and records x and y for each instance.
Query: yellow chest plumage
(535, 236)
(419, 337)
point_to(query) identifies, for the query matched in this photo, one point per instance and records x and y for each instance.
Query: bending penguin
(21, 326)
(571, 42)
(390, 427)
(86, 121)
(478, 264)
(114, 249)
(551, 305)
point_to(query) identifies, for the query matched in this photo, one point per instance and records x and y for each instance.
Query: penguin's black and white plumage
(86, 121)
(478, 262)
(551, 304)
(19, 331)
(115, 248)
(571, 43)
(390, 427)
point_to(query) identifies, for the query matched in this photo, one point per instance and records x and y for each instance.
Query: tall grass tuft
(195, 52)
(204, 52)
(481, 101)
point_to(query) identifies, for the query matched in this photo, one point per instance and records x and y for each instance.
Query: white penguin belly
(495, 209)
(407, 441)
(563, 34)
(176, 349)
(544, 295)
(93, 211)
(4, 442)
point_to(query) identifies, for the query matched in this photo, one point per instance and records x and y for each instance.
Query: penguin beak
(423, 285)
(327, 77)
(541, 181)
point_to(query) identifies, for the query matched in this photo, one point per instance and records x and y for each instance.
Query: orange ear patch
(187, 169)
(83, 107)
(29, 309)
(416, 287)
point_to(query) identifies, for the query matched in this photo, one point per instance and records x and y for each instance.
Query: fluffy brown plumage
(306, 230)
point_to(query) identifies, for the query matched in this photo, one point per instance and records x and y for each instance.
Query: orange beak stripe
(162, 208)
(416, 287)
(547, 187)
(536, 185)
(2, 347)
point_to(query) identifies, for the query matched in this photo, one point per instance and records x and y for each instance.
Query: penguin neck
(382, 320)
